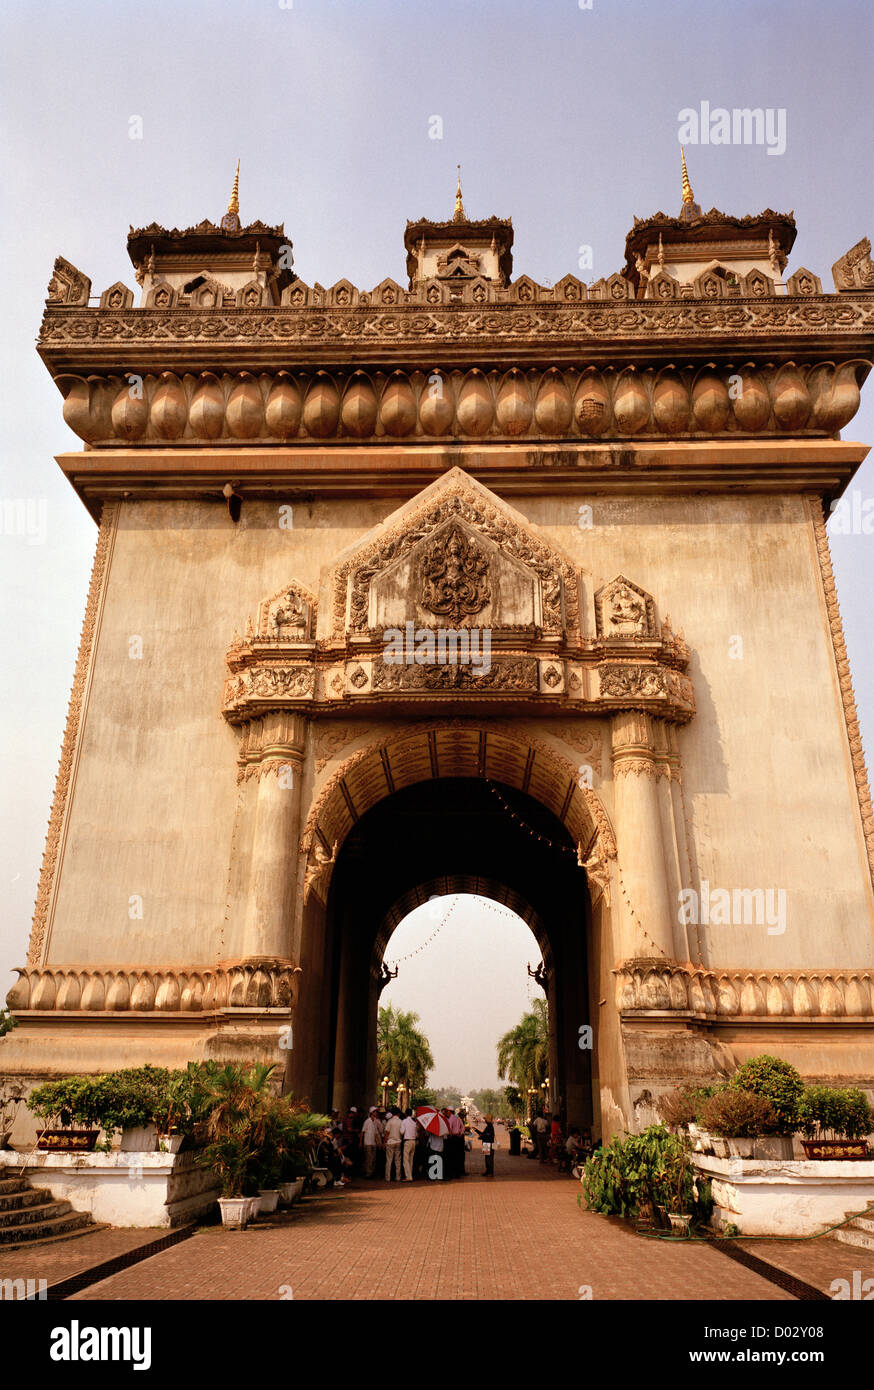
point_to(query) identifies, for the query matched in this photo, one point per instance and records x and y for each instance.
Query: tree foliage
(523, 1052)
(403, 1053)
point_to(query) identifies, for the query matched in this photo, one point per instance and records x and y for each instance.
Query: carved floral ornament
(746, 399)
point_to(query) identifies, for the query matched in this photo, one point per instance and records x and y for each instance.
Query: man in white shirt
(409, 1129)
(370, 1138)
(393, 1139)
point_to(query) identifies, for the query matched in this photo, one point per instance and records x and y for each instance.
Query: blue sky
(564, 118)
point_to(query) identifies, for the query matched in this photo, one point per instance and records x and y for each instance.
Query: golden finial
(688, 196)
(459, 215)
(234, 204)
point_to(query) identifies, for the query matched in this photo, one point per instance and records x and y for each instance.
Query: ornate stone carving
(836, 632)
(285, 407)
(595, 823)
(251, 690)
(118, 296)
(331, 739)
(455, 576)
(623, 610)
(105, 539)
(516, 675)
(320, 865)
(644, 682)
(267, 983)
(854, 270)
(308, 326)
(68, 285)
(714, 993)
(458, 499)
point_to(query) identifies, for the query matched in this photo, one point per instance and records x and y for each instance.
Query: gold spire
(688, 196)
(459, 215)
(234, 204)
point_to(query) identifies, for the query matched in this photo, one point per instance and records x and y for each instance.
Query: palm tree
(403, 1053)
(523, 1052)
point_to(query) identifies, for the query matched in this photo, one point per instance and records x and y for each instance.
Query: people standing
(487, 1135)
(409, 1134)
(456, 1130)
(541, 1136)
(393, 1141)
(371, 1138)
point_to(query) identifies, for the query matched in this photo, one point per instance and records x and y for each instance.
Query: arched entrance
(453, 806)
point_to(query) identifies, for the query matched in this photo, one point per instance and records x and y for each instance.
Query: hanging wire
(544, 839)
(482, 903)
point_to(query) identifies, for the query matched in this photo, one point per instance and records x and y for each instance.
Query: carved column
(646, 920)
(273, 865)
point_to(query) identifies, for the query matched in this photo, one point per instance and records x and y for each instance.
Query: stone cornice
(654, 466)
(250, 984)
(296, 409)
(519, 325)
(717, 993)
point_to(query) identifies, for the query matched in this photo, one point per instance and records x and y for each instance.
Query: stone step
(39, 1211)
(863, 1223)
(15, 1182)
(850, 1235)
(34, 1233)
(27, 1197)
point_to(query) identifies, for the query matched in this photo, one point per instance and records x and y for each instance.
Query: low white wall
(785, 1197)
(123, 1189)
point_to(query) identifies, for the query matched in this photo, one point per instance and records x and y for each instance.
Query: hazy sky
(564, 118)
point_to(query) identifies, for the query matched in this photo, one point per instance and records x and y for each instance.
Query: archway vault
(446, 885)
(437, 749)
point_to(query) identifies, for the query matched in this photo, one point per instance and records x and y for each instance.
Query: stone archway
(559, 872)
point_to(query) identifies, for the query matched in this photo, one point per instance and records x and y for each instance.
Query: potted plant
(67, 1102)
(835, 1122)
(780, 1083)
(235, 1128)
(736, 1119)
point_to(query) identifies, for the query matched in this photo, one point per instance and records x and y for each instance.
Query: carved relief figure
(290, 617)
(455, 577)
(626, 614)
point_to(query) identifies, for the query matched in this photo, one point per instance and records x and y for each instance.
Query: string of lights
(427, 942)
(544, 839)
(482, 903)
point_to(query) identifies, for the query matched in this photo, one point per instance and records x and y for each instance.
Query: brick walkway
(520, 1235)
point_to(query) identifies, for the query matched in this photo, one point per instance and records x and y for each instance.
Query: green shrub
(739, 1115)
(778, 1082)
(685, 1105)
(830, 1112)
(654, 1166)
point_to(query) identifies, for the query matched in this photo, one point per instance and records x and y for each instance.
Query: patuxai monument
(460, 583)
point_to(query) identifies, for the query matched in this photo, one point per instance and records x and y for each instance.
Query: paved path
(519, 1235)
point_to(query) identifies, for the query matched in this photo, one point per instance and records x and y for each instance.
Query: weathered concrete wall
(768, 784)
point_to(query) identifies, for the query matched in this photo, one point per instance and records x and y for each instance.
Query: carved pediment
(67, 285)
(457, 548)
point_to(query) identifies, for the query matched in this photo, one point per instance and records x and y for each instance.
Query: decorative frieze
(845, 680)
(660, 986)
(269, 983)
(548, 403)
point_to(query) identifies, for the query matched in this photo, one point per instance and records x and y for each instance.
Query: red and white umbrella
(431, 1120)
